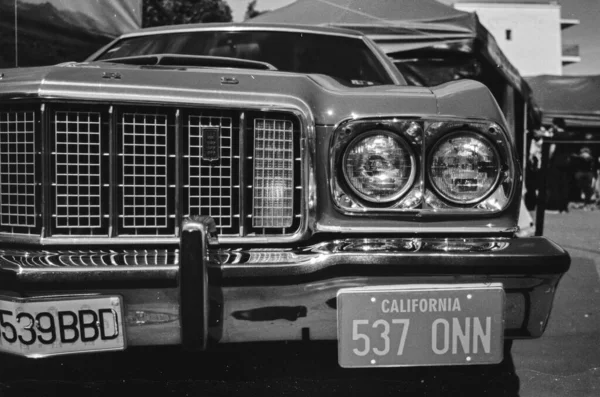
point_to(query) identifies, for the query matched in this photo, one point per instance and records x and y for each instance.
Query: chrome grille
(77, 170)
(273, 173)
(210, 186)
(17, 170)
(105, 171)
(144, 166)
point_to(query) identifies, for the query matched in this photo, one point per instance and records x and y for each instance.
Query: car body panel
(328, 101)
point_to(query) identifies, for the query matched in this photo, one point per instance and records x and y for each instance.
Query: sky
(586, 34)
(239, 6)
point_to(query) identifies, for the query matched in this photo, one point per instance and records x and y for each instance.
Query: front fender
(468, 99)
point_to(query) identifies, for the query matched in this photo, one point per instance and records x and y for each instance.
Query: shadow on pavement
(266, 369)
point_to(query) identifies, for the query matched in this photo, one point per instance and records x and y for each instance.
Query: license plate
(40, 327)
(419, 325)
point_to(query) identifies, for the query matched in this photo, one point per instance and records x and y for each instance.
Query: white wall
(535, 46)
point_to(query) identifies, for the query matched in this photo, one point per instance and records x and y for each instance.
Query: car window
(347, 59)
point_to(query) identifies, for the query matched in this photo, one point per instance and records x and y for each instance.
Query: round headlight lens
(379, 167)
(464, 167)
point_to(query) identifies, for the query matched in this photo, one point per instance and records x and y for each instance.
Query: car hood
(328, 101)
(322, 98)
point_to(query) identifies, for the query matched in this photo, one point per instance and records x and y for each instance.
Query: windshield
(347, 59)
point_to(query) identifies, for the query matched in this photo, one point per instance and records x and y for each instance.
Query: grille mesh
(77, 173)
(99, 170)
(144, 159)
(17, 169)
(273, 173)
(209, 184)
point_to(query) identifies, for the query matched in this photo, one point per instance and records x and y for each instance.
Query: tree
(251, 11)
(175, 12)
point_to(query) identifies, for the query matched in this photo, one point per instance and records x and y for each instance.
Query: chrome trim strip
(423, 172)
(308, 141)
(39, 166)
(113, 217)
(84, 266)
(248, 27)
(425, 228)
(90, 266)
(308, 150)
(129, 263)
(264, 102)
(44, 137)
(261, 262)
(242, 174)
(178, 171)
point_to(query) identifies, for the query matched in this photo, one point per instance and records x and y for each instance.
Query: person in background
(533, 168)
(597, 183)
(559, 168)
(585, 173)
(557, 131)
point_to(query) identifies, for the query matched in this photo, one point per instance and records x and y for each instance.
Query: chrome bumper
(202, 293)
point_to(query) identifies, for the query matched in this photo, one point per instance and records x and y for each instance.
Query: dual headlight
(381, 167)
(464, 167)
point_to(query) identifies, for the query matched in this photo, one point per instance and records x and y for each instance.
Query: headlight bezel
(344, 197)
(453, 134)
(398, 139)
(422, 201)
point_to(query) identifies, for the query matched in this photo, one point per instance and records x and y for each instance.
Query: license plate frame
(476, 301)
(107, 320)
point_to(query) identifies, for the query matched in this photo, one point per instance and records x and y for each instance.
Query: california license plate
(39, 327)
(418, 325)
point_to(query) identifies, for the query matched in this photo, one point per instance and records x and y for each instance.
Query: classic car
(222, 183)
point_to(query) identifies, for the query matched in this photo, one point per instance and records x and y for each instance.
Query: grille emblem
(111, 75)
(210, 143)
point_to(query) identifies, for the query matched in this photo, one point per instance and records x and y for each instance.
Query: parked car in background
(221, 183)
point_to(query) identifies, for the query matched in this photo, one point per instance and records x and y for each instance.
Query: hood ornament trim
(229, 80)
(111, 75)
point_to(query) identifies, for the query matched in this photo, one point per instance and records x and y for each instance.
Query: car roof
(197, 27)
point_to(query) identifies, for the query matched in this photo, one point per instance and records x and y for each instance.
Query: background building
(529, 32)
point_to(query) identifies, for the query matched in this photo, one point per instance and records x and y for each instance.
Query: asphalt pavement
(564, 362)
